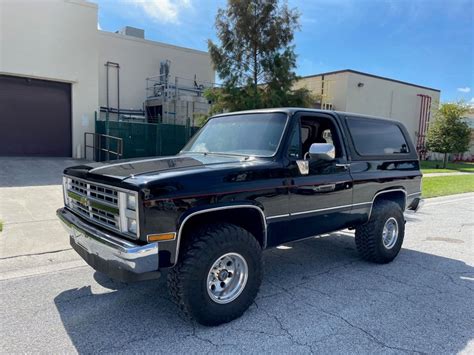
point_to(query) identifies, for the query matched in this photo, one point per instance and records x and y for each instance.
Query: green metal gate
(147, 139)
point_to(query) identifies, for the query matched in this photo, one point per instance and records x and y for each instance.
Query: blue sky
(427, 42)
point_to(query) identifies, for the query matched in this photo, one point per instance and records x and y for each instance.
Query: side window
(320, 130)
(294, 148)
(373, 137)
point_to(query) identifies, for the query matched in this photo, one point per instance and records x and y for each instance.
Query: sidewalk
(446, 174)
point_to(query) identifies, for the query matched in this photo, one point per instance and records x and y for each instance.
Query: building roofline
(372, 76)
(85, 3)
(151, 42)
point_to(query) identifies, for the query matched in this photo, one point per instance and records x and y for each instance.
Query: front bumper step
(118, 258)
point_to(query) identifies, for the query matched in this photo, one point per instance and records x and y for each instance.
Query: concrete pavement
(30, 193)
(317, 297)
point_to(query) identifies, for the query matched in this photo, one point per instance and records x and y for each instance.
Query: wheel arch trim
(384, 192)
(215, 209)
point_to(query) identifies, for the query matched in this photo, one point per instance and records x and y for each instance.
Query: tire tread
(203, 240)
(367, 236)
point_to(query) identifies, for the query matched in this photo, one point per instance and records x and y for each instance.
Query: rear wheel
(218, 274)
(381, 238)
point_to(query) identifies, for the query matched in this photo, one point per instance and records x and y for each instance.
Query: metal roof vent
(132, 31)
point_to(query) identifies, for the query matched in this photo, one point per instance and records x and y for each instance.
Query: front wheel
(218, 274)
(381, 238)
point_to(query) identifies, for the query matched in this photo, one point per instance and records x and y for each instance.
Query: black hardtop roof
(292, 110)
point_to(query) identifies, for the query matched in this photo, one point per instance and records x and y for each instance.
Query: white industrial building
(353, 91)
(53, 76)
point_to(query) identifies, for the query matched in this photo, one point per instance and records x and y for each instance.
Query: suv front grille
(98, 203)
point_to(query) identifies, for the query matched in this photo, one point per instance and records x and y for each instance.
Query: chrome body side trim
(320, 210)
(278, 216)
(97, 247)
(342, 206)
(208, 210)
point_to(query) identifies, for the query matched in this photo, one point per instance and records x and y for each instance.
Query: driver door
(320, 201)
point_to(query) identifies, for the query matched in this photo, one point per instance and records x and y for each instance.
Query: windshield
(247, 134)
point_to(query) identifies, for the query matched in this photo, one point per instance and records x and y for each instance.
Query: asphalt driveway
(317, 295)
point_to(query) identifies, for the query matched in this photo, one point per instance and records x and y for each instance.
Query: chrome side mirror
(322, 151)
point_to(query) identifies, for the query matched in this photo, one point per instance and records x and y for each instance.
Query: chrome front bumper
(118, 258)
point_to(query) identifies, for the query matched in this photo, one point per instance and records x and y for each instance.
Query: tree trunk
(445, 160)
(255, 60)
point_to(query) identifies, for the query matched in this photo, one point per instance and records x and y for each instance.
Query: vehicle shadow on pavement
(317, 296)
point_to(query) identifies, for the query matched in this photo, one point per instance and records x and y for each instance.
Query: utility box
(132, 31)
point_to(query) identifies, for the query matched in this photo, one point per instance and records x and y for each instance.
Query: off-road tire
(187, 281)
(368, 237)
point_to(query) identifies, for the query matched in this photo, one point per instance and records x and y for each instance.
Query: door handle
(324, 188)
(345, 166)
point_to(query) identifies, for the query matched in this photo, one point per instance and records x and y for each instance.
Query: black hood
(151, 167)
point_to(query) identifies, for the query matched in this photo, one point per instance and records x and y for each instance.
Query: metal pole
(107, 84)
(118, 91)
(175, 98)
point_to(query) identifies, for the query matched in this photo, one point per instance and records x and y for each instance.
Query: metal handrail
(97, 146)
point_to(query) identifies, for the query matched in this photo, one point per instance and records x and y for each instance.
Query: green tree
(255, 58)
(449, 133)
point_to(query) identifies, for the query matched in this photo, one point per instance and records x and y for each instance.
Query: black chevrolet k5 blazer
(247, 181)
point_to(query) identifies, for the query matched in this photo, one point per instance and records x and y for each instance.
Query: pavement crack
(206, 340)
(26, 222)
(335, 315)
(287, 332)
(35, 254)
(366, 332)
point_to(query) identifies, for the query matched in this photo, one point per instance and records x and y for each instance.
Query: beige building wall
(139, 59)
(384, 98)
(350, 91)
(54, 40)
(333, 92)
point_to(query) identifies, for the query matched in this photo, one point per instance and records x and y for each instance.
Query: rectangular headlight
(128, 207)
(131, 202)
(65, 188)
(132, 225)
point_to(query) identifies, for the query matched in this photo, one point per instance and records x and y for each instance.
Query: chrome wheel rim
(390, 233)
(227, 278)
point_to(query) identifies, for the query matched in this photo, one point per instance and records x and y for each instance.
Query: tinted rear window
(373, 137)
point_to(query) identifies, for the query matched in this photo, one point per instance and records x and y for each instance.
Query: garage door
(35, 117)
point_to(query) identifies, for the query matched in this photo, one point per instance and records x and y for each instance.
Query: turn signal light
(161, 237)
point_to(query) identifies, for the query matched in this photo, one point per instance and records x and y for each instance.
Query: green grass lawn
(429, 166)
(447, 185)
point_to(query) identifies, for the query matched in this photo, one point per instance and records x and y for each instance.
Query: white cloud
(163, 11)
(465, 90)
